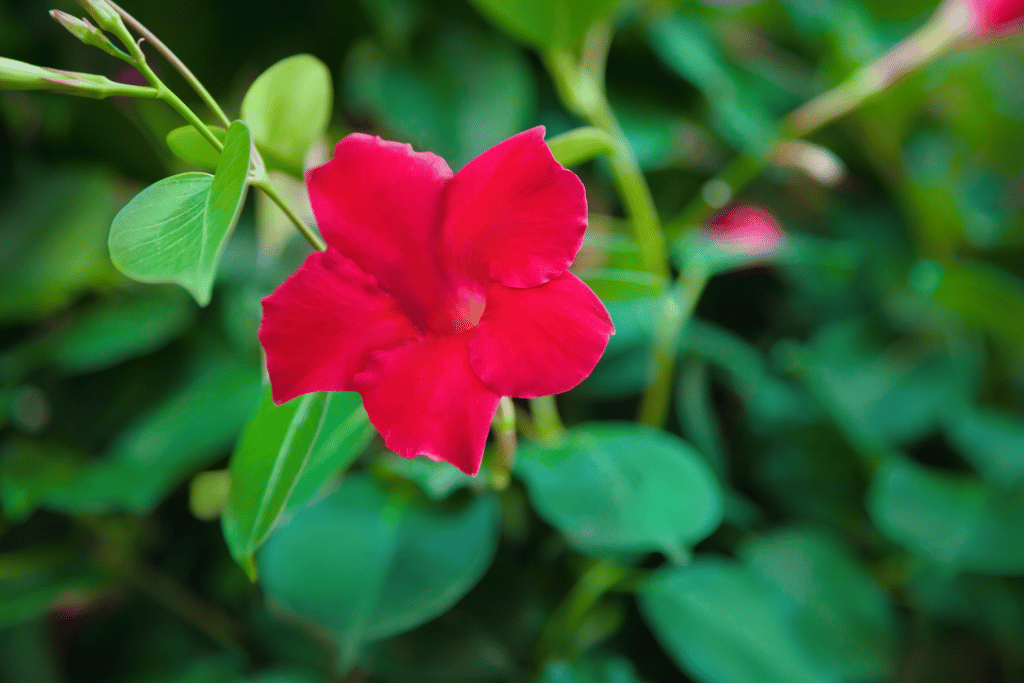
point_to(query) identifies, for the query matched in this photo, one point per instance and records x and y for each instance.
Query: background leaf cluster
(838, 495)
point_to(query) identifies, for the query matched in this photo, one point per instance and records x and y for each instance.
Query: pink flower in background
(749, 229)
(995, 16)
(438, 293)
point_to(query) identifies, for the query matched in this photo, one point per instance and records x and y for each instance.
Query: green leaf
(685, 46)
(175, 229)
(992, 441)
(269, 457)
(437, 481)
(189, 145)
(458, 95)
(117, 329)
(984, 296)
(621, 487)
(590, 670)
(722, 623)
(615, 284)
(34, 474)
(366, 564)
(958, 522)
(345, 434)
(843, 616)
(53, 240)
(193, 426)
(547, 23)
(580, 145)
(288, 107)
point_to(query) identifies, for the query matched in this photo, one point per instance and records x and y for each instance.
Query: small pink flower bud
(748, 229)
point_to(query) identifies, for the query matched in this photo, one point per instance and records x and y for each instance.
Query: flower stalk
(504, 427)
(581, 88)
(676, 310)
(15, 75)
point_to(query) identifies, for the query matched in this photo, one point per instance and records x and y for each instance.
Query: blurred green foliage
(838, 495)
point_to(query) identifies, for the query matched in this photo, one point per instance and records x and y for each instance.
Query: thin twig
(186, 73)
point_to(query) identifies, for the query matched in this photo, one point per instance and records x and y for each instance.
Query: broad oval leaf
(722, 623)
(843, 616)
(368, 564)
(175, 229)
(191, 147)
(270, 455)
(958, 522)
(992, 441)
(288, 107)
(613, 488)
(547, 23)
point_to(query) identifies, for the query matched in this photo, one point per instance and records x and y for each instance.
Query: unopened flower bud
(748, 229)
(105, 15)
(87, 33)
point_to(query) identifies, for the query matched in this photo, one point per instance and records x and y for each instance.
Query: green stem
(546, 419)
(599, 578)
(583, 93)
(933, 39)
(311, 237)
(677, 309)
(504, 426)
(185, 72)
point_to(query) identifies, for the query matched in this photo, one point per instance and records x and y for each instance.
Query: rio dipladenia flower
(438, 293)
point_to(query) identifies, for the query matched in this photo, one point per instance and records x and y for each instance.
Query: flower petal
(514, 215)
(424, 399)
(541, 340)
(380, 204)
(320, 326)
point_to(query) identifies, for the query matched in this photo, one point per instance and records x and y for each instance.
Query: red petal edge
(424, 399)
(380, 204)
(514, 215)
(542, 340)
(320, 326)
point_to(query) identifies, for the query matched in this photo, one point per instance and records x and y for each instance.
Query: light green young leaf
(191, 147)
(621, 487)
(288, 107)
(270, 455)
(175, 229)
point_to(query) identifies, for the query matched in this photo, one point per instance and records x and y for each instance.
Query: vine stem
(581, 89)
(167, 95)
(173, 59)
(947, 28)
(676, 311)
(546, 419)
(504, 426)
(314, 239)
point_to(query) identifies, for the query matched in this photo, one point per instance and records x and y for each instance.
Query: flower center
(461, 313)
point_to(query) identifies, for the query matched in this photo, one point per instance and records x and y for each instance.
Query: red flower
(438, 294)
(748, 229)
